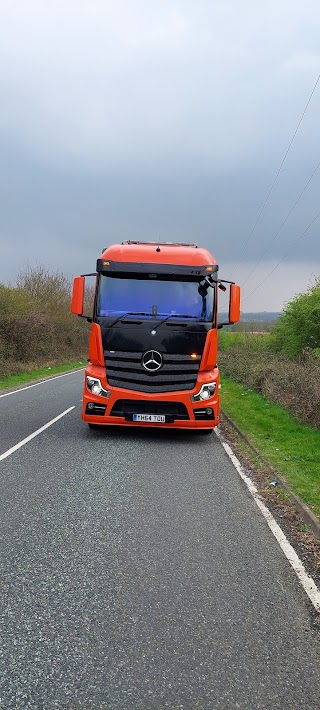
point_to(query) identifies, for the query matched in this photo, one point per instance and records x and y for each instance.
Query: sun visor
(104, 266)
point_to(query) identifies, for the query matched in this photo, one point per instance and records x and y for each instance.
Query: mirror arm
(88, 318)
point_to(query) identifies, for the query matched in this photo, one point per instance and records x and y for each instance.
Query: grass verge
(292, 449)
(25, 377)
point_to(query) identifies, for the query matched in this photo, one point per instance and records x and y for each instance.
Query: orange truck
(153, 342)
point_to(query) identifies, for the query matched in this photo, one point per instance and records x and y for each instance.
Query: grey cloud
(138, 119)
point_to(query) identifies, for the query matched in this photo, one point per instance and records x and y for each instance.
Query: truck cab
(153, 344)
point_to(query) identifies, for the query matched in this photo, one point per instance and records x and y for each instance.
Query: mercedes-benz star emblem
(152, 360)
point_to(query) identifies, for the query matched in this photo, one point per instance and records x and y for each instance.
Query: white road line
(47, 379)
(32, 436)
(307, 582)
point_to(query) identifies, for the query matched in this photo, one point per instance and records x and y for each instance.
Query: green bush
(298, 329)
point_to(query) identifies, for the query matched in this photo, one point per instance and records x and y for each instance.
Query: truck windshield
(153, 295)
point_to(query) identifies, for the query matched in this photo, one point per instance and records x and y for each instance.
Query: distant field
(229, 339)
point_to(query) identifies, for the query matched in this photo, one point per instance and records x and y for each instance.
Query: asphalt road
(137, 573)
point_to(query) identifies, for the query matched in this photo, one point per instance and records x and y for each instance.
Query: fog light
(90, 405)
(209, 411)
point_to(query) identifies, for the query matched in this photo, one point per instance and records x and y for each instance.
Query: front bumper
(195, 413)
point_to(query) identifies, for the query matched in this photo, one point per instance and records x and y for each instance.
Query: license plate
(152, 418)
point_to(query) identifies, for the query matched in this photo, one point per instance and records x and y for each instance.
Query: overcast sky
(161, 119)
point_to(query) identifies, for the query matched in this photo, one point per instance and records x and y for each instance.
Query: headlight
(95, 386)
(206, 391)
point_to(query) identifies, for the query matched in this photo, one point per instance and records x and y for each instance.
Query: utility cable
(278, 172)
(283, 258)
(282, 225)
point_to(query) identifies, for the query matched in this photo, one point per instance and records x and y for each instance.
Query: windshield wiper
(129, 313)
(142, 313)
(173, 315)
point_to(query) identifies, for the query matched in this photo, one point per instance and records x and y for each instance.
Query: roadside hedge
(36, 326)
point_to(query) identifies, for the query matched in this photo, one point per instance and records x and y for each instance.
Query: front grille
(127, 407)
(178, 372)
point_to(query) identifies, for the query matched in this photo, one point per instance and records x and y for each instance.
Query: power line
(279, 171)
(283, 258)
(282, 225)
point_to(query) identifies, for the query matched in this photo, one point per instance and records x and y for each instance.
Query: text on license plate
(152, 418)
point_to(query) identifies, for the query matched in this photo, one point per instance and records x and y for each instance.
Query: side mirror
(234, 304)
(204, 286)
(78, 296)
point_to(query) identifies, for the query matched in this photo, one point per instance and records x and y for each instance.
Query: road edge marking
(305, 580)
(35, 433)
(47, 379)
